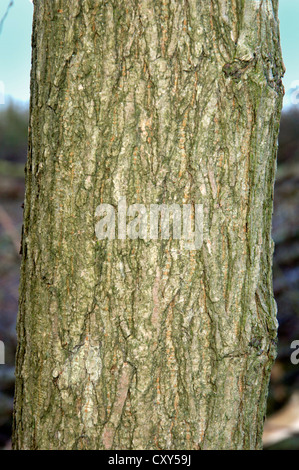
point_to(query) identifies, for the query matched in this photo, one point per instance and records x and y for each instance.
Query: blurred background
(282, 423)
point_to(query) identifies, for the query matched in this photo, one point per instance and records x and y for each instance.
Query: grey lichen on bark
(138, 344)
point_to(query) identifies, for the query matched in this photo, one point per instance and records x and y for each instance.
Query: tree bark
(142, 344)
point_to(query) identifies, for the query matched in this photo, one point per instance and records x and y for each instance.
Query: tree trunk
(145, 343)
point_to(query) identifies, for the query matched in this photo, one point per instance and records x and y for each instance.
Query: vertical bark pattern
(140, 344)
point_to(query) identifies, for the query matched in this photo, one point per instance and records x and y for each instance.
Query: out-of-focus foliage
(282, 403)
(13, 150)
(13, 133)
(289, 136)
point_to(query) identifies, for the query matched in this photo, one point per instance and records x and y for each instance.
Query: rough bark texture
(135, 344)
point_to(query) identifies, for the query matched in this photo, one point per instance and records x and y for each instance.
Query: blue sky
(15, 46)
(289, 36)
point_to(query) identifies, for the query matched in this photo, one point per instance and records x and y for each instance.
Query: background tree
(134, 344)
